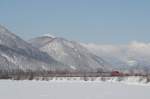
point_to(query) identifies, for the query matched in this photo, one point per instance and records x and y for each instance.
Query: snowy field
(71, 90)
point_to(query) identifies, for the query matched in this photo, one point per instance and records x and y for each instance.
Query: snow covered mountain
(55, 53)
(16, 53)
(70, 53)
(132, 57)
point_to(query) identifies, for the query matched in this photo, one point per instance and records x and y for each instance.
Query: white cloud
(131, 54)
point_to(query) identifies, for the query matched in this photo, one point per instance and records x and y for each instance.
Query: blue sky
(97, 21)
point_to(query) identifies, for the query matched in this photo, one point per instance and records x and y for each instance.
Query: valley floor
(77, 89)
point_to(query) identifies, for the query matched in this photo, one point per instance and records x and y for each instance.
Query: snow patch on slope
(49, 35)
(71, 53)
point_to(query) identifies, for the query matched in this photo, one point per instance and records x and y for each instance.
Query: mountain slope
(70, 53)
(15, 53)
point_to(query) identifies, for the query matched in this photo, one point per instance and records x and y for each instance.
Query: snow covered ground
(59, 89)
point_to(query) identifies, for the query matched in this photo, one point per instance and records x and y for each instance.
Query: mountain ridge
(25, 55)
(64, 50)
